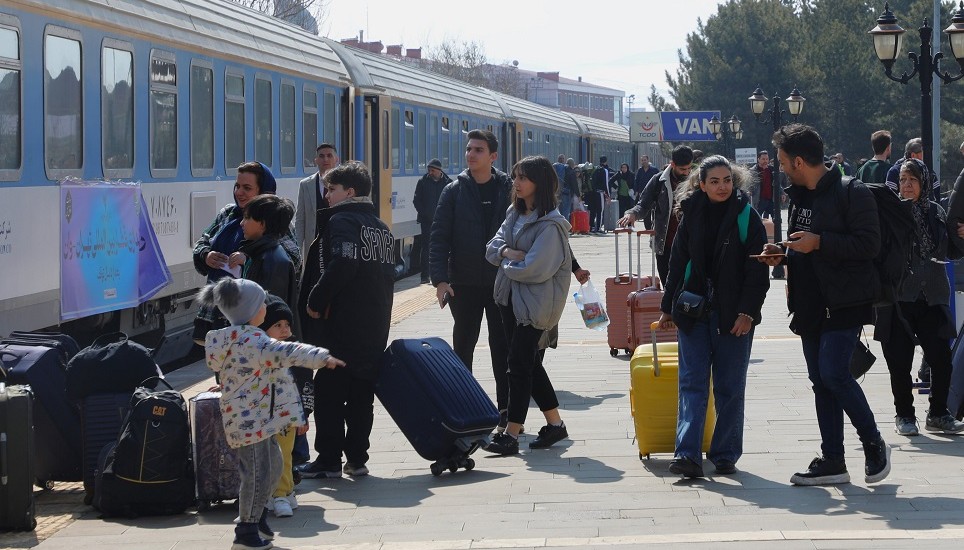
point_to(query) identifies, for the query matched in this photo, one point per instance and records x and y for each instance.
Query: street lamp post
(888, 41)
(732, 129)
(775, 116)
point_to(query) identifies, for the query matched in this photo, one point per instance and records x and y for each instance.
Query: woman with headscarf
(622, 183)
(216, 252)
(922, 312)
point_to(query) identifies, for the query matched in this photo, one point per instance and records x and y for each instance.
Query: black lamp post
(732, 129)
(888, 41)
(758, 103)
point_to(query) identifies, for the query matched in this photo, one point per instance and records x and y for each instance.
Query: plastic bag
(591, 307)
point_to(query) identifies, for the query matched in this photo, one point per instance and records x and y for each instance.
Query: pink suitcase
(643, 305)
(618, 288)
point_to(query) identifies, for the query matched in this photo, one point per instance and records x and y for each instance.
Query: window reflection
(63, 119)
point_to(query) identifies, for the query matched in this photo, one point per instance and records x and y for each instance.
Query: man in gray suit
(311, 196)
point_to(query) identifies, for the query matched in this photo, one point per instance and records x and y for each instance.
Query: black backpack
(897, 229)
(111, 364)
(148, 470)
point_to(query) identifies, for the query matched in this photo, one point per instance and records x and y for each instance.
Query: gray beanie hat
(238, 299)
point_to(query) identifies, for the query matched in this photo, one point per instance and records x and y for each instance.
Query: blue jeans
(710, 350)
(835, 390)
(260, 469)
(565, 204)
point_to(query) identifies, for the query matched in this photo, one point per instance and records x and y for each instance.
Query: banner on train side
(109, 256)
(671, 126)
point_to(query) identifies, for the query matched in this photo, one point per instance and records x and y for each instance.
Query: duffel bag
(112, 364)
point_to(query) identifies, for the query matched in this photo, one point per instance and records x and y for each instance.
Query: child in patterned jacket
(259, 398)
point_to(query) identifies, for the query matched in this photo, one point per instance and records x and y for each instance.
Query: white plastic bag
(591, 307)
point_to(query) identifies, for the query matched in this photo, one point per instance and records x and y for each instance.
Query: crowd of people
(284, 299)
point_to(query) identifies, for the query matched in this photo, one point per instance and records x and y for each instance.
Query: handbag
(862, 359)
(691, 304)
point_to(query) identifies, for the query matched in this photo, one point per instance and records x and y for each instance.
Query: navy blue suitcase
(57, 436)
(436, 402)
(63, 343)
(102, 415)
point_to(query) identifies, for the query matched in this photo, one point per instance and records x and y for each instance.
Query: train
(174, 95)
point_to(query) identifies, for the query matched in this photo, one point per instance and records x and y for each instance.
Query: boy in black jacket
(351, 302)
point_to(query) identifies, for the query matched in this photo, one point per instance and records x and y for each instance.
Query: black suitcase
(101, 417)
(216, 474)
(436, 402)
(16, 466)
(57, 440)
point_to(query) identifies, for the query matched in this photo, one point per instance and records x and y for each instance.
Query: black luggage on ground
(63, 343)
(112, 364)
(16, 466)
(57, 440)
(216, 473)
(436, 402)
(955, 395)
(147, 471)
(101, 416)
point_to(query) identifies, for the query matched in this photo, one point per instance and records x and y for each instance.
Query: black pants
(662, 266)
(426, 235)
(926, 322)
(468, 305)
(344, 415)
(527, 375)
(594, 202)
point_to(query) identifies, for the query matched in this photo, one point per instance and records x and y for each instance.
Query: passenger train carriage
(176, 94)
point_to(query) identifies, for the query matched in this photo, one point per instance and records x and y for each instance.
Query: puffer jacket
(539, 284)
(657, 196)
(258, 396)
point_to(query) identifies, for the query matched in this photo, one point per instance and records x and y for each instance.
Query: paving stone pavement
(593, 491)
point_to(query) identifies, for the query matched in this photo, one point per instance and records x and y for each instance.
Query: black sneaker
(725, 467)
(295, 475)
(548, 436)
(822, 471)
(504, 421)
(316, 469)
(503, 444)
(686, 467)
(877, 461)
(246, 537)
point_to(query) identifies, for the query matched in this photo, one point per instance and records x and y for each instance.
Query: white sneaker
(282, 508)
(292, 500)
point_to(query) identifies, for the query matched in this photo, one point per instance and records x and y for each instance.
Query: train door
(377, 151)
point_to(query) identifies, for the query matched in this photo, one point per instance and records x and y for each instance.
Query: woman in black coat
(711, 260)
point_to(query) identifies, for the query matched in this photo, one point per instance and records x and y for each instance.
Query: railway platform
(591, 491)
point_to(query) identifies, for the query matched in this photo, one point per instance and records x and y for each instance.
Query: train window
(63, 104)
(11, 131)
(163, 114)
(287, 128)
(433, 137)
(117, 110)
(422, 142)
(263, 125)
(396, 143)
(446, 142)
(409, 141)
(234, 131)
(331, 117)
(529, 135)
(202, 119)
(309, 121)
(547, 139)
(386, 146)
(465, 126)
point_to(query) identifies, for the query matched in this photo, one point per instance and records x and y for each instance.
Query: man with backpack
(566, 176)
(834, 237)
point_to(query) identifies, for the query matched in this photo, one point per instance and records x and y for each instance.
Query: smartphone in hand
(445, 299)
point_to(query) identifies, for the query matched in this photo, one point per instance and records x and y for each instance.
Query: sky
(622, 44)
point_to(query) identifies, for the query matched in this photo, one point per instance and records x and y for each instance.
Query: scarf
(925, 242)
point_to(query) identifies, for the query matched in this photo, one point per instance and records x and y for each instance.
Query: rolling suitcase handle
(623, 278)
(654, 326)
(657, 284)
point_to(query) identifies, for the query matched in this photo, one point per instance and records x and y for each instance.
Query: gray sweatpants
(260, 466)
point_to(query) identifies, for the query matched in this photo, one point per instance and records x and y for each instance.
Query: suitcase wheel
(613, 351)
(437, 468)
(628, 351)
(88, 498)
(469, 464)
(45, 484)
(203, 505)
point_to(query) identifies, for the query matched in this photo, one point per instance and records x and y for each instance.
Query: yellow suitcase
(654, 398)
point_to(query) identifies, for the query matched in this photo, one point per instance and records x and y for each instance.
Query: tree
(305, 13)
(658, 102)
(464, 61)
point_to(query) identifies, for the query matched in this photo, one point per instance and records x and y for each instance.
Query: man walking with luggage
(660, 195)
(470, 211)
(834, 236)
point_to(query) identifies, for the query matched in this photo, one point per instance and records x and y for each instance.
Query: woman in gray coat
(532, 251)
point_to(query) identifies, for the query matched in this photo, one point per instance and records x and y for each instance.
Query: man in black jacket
(599, 195)
(834, 237)
(352, 305)
(469, 213)
(427, 193)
